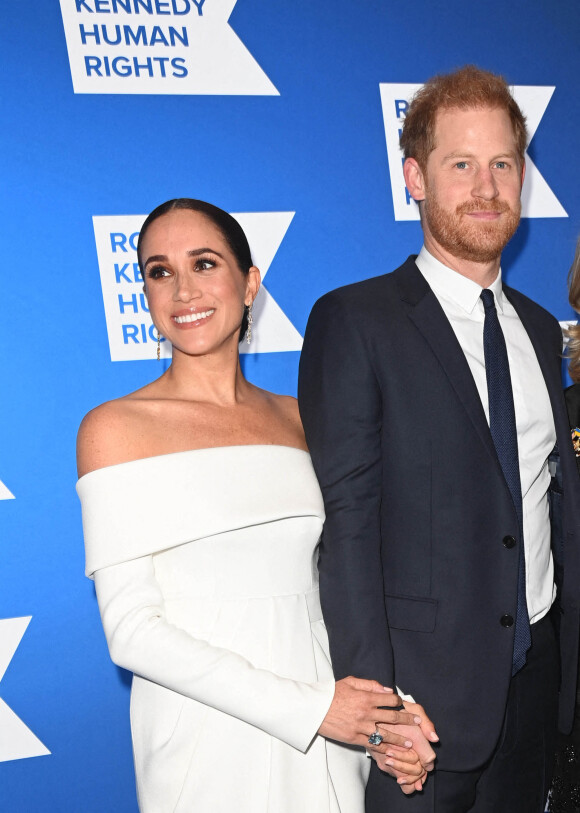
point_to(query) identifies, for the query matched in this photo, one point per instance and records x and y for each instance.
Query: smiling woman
(201, 257)
(207, 582)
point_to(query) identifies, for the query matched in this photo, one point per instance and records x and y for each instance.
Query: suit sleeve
(141, 639)
(341, 409)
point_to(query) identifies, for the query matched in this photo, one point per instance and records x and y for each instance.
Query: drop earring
(250, 323)
(158, 346)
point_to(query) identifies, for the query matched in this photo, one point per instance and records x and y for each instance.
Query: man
(431, 399)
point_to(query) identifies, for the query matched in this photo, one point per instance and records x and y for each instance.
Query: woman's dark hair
(228, 226)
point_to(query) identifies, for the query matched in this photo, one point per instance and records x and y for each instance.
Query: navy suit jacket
(414, 575)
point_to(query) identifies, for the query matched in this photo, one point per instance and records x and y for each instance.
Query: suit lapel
(429, 318)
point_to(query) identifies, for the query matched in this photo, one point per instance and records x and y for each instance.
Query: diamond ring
(376, 738)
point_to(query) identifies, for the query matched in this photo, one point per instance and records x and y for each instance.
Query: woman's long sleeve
(141, 639)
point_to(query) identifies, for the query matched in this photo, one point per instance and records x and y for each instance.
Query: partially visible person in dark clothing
(565, 795)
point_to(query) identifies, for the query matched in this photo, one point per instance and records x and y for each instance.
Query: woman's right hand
(357, 709)
(354, 714)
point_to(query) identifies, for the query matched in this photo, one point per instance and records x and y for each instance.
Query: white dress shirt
(460, 299)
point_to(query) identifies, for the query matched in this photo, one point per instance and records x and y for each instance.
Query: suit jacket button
(508, 541)
(506, 621)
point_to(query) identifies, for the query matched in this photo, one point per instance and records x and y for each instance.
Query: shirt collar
(449, 284)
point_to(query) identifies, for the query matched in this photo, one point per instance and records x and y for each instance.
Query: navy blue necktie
(502, 424)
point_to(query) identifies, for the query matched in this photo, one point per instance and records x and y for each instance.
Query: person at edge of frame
(565, 790)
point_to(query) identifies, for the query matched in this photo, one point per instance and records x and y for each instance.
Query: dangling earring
(158, 346)
(250, 323)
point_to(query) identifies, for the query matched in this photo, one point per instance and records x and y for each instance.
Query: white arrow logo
(538, 200)
(16, 740)
(274, 332)
(5, 494)
(159, 46)
(131, 333)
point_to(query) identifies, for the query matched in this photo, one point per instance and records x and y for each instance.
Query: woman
(201, 516)
(565, 794)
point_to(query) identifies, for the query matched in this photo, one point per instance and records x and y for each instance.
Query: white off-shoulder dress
(205, 570)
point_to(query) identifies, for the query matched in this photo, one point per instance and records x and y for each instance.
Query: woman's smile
(192, 318)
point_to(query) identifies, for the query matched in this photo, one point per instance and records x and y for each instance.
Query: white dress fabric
(205, 570)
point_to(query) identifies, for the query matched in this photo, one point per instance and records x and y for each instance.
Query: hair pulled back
(227, 225)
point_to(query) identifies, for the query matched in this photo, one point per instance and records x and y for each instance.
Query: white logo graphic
(132, 335)
(16, 740)
(5, 494)
(159, 46)
(538, 200)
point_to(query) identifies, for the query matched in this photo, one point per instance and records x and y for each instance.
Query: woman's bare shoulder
(285, 407)
(110, 433)
(288, 406)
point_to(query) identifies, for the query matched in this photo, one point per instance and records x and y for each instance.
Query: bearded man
(432, 402)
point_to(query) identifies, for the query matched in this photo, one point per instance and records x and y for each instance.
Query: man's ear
(414, 179)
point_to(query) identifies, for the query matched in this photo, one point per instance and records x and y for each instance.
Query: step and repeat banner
(287, 113)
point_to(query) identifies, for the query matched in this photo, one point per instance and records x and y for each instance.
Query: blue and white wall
(286, 112)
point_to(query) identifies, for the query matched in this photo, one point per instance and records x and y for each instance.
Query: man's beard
(466, 239)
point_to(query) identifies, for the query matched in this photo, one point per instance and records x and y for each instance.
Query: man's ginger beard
(467, 239)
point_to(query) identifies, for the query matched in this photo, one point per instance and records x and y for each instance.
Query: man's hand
(426, 724)
(421, 735)
(420, 744)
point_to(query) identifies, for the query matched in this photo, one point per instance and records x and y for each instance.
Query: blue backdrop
(169, 103)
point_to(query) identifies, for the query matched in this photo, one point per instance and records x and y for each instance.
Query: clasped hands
(360, 707)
